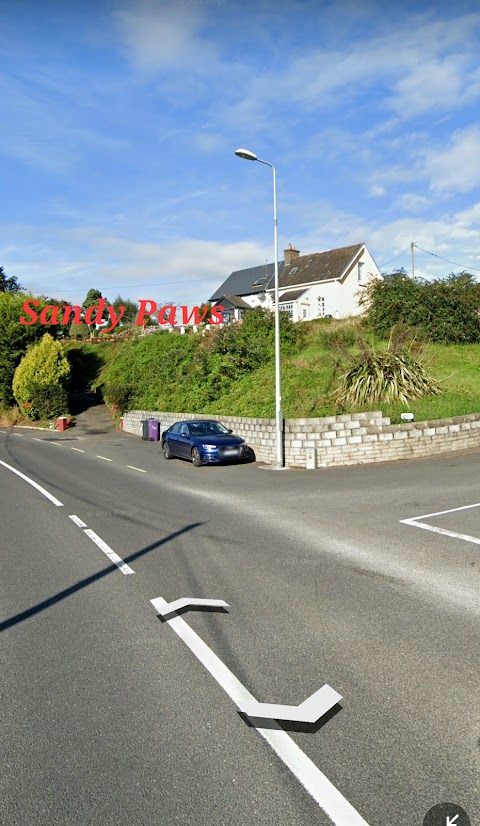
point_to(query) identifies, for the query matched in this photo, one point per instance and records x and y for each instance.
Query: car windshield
(208, 429)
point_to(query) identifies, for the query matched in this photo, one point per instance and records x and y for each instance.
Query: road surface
(109, 717)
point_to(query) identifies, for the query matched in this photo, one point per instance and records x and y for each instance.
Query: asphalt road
(109, 718)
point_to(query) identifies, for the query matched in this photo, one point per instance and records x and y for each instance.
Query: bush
(47, 402)
(396, 374)
(43, 366)
(14, 340)
(447, 310)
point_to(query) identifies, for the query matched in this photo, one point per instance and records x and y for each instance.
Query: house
(310, 286)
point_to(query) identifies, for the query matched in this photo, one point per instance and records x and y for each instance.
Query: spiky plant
(392, 375)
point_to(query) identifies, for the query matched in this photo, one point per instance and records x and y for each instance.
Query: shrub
(396, 374)
(43, 366)
(46, 402)
(445, 309)
(14, 340)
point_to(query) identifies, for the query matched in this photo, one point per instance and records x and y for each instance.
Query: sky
(121, 120)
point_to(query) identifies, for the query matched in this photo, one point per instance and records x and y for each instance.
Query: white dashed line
(137, 468)
(77, 521)
(33, 484)
(77, 449)
(327, 797)
(104, 458)
(36, 439)
(125, 569)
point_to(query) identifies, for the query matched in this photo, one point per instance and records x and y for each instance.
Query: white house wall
(341, 297)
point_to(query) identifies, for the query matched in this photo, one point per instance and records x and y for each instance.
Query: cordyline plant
(392, 375)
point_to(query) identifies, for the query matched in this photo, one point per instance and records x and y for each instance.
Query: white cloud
(457, 167)
(69, 262)
(420, 66)
(413, 202)
(435, 85)
(167, 35)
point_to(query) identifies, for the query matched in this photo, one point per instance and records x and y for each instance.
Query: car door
(173, 436)
(184, 447)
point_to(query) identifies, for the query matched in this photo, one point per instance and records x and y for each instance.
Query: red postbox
(62, 423)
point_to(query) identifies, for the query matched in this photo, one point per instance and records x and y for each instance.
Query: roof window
(293, 270)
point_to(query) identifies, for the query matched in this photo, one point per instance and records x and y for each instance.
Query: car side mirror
(230, 431)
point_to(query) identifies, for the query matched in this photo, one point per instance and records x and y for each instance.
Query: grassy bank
(183, 374)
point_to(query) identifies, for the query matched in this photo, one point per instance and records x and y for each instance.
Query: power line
(393, 259)
(477, 269)
(135, 286)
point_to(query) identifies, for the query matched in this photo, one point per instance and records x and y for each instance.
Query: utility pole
(412, 248)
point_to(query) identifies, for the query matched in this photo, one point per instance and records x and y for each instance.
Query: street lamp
(250, 156)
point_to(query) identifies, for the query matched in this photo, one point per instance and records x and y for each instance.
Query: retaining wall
(350, 439)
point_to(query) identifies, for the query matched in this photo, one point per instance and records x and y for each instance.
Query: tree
(14, 340)
(41, 380)
(81, 330)
(131, 309)
(91, 298)
(9, 285)
(445, 309)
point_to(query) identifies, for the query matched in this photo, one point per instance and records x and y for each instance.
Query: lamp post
(250, 156)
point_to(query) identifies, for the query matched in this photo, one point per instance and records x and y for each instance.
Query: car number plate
(232, 451)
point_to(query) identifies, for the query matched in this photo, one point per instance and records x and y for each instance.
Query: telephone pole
(412, 249)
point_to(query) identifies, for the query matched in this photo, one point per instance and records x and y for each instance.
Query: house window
(293, 271)
(286, 308)
(360, 268)
(321, 306)
(304, 312)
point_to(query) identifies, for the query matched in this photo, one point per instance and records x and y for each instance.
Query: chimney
(291, 255)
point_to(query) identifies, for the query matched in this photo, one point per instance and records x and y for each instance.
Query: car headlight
(210, 447)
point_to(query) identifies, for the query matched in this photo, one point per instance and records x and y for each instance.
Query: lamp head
(245, 153)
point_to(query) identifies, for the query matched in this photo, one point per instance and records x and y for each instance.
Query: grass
(309, 379)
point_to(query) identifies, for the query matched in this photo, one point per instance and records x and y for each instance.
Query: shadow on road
(84, 583)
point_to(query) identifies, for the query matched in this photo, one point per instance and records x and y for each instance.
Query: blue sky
(120, 122)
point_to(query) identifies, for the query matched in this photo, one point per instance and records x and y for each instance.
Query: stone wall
(351, 439)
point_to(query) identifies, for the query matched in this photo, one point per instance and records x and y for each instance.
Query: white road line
(77, 449)
(328, 798)
(33, 484)
(136, 468)
(465, 536)
(77, 521)
(125, 569)
(440, 513)
(36, 439)
(104, 457)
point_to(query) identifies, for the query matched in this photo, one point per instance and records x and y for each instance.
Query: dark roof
(241, 282)
(321, 266)
(291, 295)
(235, 301)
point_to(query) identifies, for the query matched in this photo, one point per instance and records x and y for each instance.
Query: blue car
(203, 442)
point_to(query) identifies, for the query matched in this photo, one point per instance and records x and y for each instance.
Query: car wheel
(196, 458)
(166, 451)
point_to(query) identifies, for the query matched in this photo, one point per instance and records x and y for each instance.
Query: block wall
(350, 439)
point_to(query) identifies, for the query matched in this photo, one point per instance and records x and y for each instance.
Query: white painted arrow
(452, 821)
(172, 607)
(307, 712)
